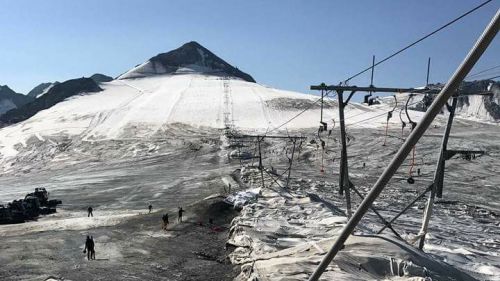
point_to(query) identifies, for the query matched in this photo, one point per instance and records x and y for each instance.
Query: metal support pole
(406, 208)
(321, 117)
(260, 162)
(290, 164)
(274, 180)
(373, 69)
(428, 71)
(437, 184)
(448, 90)
(344, 172)
(384, 221)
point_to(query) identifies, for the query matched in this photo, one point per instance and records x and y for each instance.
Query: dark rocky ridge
(40, 88)
(99, 78)
(16, 98)
(187, 55)
(55, 95)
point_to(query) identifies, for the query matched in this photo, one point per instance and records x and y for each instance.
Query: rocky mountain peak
(191, 57)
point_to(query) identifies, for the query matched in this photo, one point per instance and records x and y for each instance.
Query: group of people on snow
(165, 221)
(89, 242)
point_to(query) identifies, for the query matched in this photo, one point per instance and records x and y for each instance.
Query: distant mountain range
(15, 107)
(55, 94)
(10, 99)
(192, 58)
(43, 88)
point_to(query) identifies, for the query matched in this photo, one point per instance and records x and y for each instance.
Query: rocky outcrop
(190, 57)
(41, 89)
(100, 78)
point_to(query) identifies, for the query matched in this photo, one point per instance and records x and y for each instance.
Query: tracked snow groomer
(43, 196)
(33, 205)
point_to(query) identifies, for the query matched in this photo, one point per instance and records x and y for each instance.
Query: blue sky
(288, 44)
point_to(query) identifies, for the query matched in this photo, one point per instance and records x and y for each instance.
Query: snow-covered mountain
(480, 107)
(11, 100)
(144, 105)
(484, 108)
(189, 86)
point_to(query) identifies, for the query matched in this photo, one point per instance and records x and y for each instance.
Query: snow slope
(141, 108)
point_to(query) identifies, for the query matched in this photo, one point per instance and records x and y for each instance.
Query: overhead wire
(375, 117)
(300, 113)
(386, 59)
(494, 77)
(484, 76)
(419, 40)
(482, 71)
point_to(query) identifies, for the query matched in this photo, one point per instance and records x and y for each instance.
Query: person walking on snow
(179, 219)
(89, 210)
(89, 248)
(165, 221)
(92, 248)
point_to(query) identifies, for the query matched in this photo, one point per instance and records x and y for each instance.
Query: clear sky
(287, 44)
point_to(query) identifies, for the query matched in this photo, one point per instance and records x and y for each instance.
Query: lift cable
(482, 71)
(386, 59)
(419, 40)
(300, 113)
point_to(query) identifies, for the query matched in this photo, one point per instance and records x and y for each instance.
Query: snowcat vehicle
(5, 215)
(43, 196)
